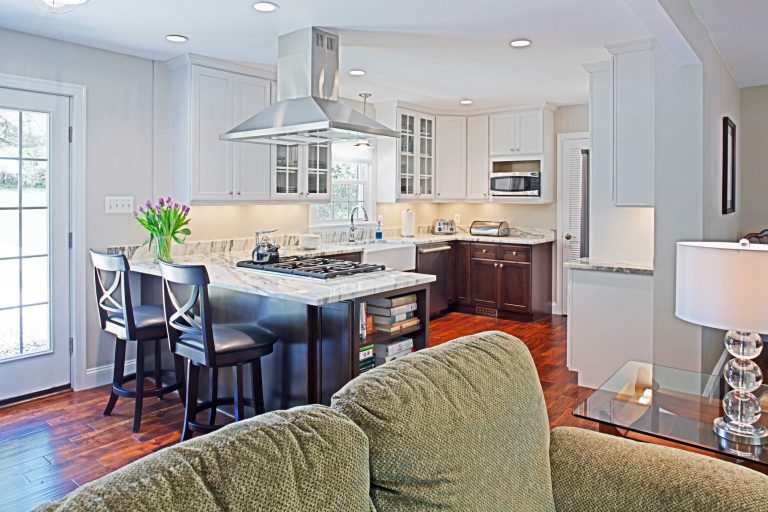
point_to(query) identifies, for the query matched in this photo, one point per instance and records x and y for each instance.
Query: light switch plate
(118, 204)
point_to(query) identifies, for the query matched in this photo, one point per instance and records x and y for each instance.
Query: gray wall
(753, 136)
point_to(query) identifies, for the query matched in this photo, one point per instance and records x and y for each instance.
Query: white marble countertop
(306, 290)
(602, 265)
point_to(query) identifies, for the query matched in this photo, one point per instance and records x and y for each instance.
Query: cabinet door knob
(495, 265)
(238, 192)
(501, 265)
(514, 253)
(230, 192)
(484, 251)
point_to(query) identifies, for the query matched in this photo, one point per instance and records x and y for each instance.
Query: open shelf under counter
(384, 337)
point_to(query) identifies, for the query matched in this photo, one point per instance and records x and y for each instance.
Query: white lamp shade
(723, 285)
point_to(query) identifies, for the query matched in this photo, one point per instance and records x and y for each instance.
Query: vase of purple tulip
(166, 222)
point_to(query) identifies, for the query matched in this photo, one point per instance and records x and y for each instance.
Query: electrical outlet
(457, 218)
(118, 204)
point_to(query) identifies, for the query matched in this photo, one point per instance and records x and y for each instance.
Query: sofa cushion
(462, 426)
(602, 473)
(304, 459)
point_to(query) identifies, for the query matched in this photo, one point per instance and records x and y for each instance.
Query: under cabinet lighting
(357, 72)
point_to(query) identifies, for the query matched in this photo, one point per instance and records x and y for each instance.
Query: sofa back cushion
(462, 426)
(304, 459)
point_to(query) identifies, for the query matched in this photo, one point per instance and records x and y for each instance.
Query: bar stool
(193, 335)
(142, 324)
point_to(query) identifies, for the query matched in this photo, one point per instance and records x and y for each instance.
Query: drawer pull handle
(435, 249)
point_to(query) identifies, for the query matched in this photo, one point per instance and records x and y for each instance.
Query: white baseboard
(101, 375)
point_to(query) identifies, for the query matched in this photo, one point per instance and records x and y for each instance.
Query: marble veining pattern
(621, 267)
(306, 290)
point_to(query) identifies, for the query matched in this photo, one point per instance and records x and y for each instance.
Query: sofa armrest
(598, 472)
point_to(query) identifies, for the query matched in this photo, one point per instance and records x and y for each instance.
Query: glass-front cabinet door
(407, 155)
(426, 157)
(286, 172)
(318, 171)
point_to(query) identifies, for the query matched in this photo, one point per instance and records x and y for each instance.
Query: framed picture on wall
(729, 166)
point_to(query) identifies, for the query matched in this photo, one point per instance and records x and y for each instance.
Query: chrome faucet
(352, 220)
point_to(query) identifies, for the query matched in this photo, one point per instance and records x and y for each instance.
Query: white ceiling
(430, 52)
(739, 30)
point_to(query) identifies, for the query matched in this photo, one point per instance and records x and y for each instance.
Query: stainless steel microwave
(515, 184)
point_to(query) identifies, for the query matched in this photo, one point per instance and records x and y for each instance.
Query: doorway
(34, 243)
(570, 163)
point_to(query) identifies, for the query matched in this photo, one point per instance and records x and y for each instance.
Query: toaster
(444, 227)
(489, 228)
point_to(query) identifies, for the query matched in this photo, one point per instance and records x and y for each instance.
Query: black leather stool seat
(144, 316)
(232, 338)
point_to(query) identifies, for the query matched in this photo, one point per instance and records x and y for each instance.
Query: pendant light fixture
(364, 143)
(62, 6)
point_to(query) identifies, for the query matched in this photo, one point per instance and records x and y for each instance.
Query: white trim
(77, 167)
(557, 305)
(717, 372)
(630, 46)
(266, 72)
(596, 67)
(101, 375)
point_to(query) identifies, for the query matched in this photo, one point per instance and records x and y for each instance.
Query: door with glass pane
(426, 157)
(34, 246)
(318, 171)
(407, 155)
(285, 174)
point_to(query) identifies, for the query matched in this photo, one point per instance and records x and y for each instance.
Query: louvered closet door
(572, 203)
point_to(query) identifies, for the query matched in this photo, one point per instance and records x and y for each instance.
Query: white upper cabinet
(251, 161)
(517, 133)
(451, 157)
(633, 121)
(478, 163)
(302, 173)
(206, 101)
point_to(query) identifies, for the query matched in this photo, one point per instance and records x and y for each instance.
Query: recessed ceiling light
(520, 43)
(265, 6)
(466, 102)
(176, 38)
(357, 72)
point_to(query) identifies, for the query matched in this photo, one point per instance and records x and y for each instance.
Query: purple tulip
(158, 209)
(161, 201)
(135, 213)
(148, 203)
(141, 208)
(175, 206)
(168, 200)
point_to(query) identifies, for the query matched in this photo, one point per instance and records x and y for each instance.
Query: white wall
(692, 159)
(119, 137)
(753, 136)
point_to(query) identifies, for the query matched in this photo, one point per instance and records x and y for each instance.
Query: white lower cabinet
(450, 157)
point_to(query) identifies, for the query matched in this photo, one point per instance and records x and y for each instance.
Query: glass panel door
(426, 157)
(287, 170)
(34, 248)
(318, 169)
(407, 155)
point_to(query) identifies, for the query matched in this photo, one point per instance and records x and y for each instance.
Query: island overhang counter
(317, 321)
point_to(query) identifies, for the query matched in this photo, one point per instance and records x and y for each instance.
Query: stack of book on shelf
(367, 359)
(394, 314)
(398, 347)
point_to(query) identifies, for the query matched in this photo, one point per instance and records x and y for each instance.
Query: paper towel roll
(408, 223)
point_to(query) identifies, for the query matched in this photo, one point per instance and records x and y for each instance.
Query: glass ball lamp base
(753, 435)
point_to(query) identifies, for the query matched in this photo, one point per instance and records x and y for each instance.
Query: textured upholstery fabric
(459, 427)
(144, 316)
(305, 459)
(232, 337)
(598, 472)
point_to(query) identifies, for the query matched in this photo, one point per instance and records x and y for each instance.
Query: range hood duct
(307, 110)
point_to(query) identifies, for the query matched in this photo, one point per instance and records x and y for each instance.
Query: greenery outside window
(351, 181)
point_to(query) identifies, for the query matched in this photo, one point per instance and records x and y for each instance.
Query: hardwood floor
(51, 445)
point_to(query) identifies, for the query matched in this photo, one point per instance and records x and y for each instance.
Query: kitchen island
(317, 321)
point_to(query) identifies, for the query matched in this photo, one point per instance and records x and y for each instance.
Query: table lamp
(725, 286)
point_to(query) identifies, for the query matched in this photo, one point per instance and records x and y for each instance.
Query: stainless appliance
(489, 228)
(308, 110)
(526, 183)
(584, 245)
(266, 250)
(443, 227)
(318, 268)
(436, 259)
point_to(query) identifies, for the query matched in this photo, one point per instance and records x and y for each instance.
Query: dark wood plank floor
(51, 445)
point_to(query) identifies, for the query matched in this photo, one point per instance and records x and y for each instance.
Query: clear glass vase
(163, 249)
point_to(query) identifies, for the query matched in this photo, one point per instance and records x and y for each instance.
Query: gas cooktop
(318, 268)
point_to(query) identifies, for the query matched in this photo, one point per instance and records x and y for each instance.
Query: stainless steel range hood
(307, 110)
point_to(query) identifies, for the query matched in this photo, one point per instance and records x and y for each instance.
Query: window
(351, 186)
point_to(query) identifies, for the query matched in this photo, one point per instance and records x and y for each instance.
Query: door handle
(568, 236)
(435, 249)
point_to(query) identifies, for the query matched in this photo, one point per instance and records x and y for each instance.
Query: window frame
(316, 225)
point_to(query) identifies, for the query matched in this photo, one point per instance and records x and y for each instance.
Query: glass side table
(672, 405)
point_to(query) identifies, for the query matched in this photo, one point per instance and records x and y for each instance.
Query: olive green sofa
(459, 427)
